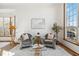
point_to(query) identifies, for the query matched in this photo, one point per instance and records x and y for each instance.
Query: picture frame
(38, 23)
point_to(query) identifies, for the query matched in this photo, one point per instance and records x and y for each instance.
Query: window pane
(1, 27)
(6, 26)
(72, 13)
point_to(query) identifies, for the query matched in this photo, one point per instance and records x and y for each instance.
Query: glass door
(7, 26)
(1, 26)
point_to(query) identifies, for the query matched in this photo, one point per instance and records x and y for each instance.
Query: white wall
(25, 12)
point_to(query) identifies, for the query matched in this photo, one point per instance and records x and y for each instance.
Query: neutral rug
(45, 52)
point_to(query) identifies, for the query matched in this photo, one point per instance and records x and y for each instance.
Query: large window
(5, 23)
(72, 14)
(71, 22)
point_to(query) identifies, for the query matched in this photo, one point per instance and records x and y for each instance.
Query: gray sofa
(25, 42)
(50, 43)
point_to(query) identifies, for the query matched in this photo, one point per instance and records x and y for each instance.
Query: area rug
(46, 52)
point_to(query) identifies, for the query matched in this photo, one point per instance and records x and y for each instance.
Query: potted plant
(56, 29)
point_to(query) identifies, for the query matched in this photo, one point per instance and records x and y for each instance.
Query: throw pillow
(50, 36)
(25, 36)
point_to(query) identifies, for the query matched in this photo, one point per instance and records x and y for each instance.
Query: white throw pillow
(50, 36)
(25, 36)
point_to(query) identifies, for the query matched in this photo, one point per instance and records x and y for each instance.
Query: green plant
(33, 40)
(56, 28)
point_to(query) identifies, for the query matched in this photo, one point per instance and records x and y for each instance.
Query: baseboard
(72, 52)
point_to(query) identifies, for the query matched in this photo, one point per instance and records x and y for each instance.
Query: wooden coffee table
(37, 51)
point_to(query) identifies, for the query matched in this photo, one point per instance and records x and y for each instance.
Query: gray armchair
(50, 43)
(25, 42)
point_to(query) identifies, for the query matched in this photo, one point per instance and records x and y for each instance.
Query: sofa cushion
(48, 40)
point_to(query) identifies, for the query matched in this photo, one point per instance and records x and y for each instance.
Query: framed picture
(38, 23)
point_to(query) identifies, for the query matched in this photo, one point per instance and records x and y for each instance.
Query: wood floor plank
(70, 51)
(7, 47)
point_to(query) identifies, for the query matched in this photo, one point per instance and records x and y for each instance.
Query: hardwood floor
(7, 47)
(73, 53)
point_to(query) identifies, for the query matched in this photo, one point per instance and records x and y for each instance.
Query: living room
(33, 18)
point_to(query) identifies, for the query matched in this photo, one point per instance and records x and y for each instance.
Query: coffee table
(37, 49)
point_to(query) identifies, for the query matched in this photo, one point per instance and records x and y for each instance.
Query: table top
(37, 46)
